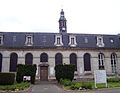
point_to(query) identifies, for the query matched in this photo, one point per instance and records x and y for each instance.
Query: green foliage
(90, 85)
(7, 78)
(59, 72)
(66, 82)
(76, 85)
(114, 84)
(113, 80)
(69, 72)
(64, 72)
(86, 85)
(15, 87)
(26, 70)
(81, 85)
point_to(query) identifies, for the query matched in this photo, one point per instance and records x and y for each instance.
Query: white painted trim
(60, 43)
(27, 42)
(72, 43)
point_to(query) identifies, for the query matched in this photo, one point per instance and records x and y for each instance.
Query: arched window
(44, 57)
(0, 62)
(73, 60)
(29, 59)
(113, 62)
(87, 63)
(58, 59)
(101, 58)
(13, 62)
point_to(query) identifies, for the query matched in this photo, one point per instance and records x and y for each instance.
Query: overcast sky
(83, 16)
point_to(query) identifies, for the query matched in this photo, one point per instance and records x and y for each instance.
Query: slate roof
(47, 40)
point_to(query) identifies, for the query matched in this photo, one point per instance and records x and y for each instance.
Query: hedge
(64, 72)
(26, 70)
(113, 80)
(7, 78)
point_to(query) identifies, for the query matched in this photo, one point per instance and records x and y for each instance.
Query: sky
(83, 16)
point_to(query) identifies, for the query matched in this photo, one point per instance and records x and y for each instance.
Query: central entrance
(43, 73)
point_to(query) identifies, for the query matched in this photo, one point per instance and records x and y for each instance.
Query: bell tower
(62, 23)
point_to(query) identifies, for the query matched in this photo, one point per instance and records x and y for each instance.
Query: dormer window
(58, 40)
(72, 40)
(14, 38)
(44, 39)
(1, 39)
(86, 40)
(100, 42)
(29, 40)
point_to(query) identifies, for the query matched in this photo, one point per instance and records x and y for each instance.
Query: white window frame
(100, 42)
(1, 39)
(29, 42)
(101, 59)
(72, 40)
(114, 64)
(58, 42)
(86, 40)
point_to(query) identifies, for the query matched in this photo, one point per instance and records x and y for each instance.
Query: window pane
(13, 62)
(101, 60)
(44, 57)
(58, 59)
(0, 62)
(73, 60)
(29, 59)
(87, 63)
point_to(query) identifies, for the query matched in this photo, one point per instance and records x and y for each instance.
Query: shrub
(68, 71)
(64, 72)
(59, 72)
(65, 82)
(75, 86)
(113, 80)
(7, 78)
(86, 85)
(26, 70)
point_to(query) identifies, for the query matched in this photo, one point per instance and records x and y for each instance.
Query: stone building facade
(88, 52)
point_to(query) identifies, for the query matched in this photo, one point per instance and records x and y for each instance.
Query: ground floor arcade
(86, 61)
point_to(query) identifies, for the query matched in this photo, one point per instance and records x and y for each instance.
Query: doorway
(43, 73)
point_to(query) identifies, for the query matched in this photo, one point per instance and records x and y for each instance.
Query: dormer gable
(58, 40)
(72, 40)
(100, 42)
(29, 40)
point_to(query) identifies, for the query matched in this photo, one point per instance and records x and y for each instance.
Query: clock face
(63, 28)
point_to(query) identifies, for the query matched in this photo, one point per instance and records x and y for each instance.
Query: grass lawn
(110, 85)
(16, 87)
(78, 85)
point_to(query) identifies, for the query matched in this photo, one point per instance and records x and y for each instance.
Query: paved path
(45, 88)
(51, 87)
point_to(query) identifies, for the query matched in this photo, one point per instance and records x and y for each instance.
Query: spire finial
(62, 12)
(62, 22)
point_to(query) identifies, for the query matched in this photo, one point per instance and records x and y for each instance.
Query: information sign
(100, 77)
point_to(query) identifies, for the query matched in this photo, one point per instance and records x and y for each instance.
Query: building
(88, 52)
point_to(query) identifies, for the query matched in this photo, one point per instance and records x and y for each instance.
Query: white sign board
(100, 76)
(25, 78)
(52, 71)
